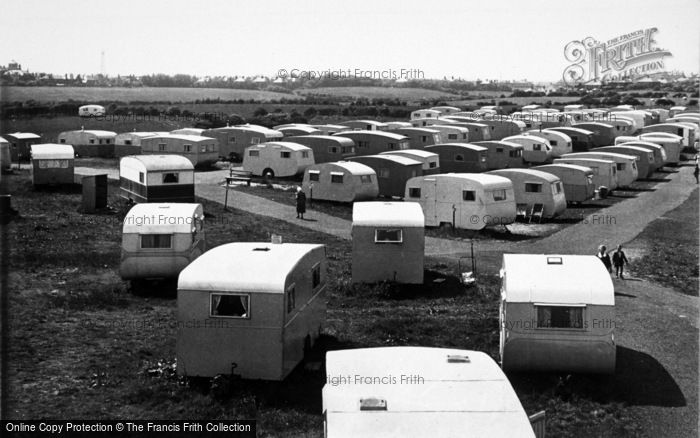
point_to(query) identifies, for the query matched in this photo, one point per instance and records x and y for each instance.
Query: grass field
(81, 345)
(142, 94)
(668, 259)
(409, 94)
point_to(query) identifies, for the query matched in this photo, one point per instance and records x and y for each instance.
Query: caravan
(460, 157)
(343, 181)
(250, 309)
(626, 165)
(533, 188)
(604, 171)
(535, 149)
(578, 180)
(469, 201)
(557, 313)
(277, 159)
(160, 239)
(392, 172)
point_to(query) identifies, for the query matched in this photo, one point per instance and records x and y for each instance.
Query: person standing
(619, 259)
(301, 203)
(604, 257)
(696, 173)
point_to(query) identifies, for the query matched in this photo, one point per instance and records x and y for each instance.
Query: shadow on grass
(639, 380)
(640, 189)
(300, 390)
(71, 189)
(658, 180)
(165, 288)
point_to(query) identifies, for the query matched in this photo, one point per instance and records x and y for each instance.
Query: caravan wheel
(268, 173)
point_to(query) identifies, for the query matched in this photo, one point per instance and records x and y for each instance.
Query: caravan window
(141, 177)
(391, 146)
(127, 142)
(424, 138)
(515, 153)
(468, 195)
(459, 157)
(553, 142)
(315, 276)
(332, 150)
(92, 141)
(336, 178)
(229, 306)
(414, 192)
(348, 150)
(305, 154)
(170, 178)
(362, 144)
(533, 187)
(452, 136)
(536, 147)
(53, 164)
(499, 150)
(187, 147)
(388, 236)
(151, 241)
(559, 317)
(254, 140)
(499, 195)
(556, 188)
(232, 139)
(63, 140)
(365, 179)
(383, 173)
(314, 175)
(291, 298)
(286, 154)
(253, 153)
(620, 166)
(161, 147)
(432, 165)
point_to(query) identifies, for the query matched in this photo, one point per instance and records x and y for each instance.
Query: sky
(496, 40)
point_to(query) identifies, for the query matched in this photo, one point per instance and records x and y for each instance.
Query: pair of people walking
(619, 260)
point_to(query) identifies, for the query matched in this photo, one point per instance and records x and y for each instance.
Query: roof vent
(458, 358)
(372, 404)
(554, 261)
(276, 239)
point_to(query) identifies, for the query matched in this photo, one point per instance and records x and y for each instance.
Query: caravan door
(429, 201)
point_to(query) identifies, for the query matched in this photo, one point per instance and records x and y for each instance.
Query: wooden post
(226, 197)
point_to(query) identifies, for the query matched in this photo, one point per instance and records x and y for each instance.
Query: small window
(366, 179)
(348, 150)
(332, 150)
(291, 298)
(459, 157)
(253, 153)
(316, 276)
(151, 241)
(388, 236)
(432, 165)
(620, 166)
(171, 178)
(107, 141)
(424, 138)
(337, 178)
(100, 141)
(314, 175)
(230, 305)
(391, 146)
(414, 192)
(187, 147)
(452, 136)
(499, 195)
(161, 147)
(533, 187)
(559, 317)
(536, 147)
(468, 195)
(304, 154)
(254, 140)
(141, 175)
(286, 154)
(92, 141)
(553, 142)
(127, 142)
(383, 173)
(499, 150)
(63, 140)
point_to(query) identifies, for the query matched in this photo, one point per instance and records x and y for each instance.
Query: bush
(260, 112)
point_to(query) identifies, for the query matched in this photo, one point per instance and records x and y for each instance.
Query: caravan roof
(185, 137)
(24, 135)
(161, 162)
(355, 168)
(396, 214)
(460, 390)
(285, 144)
(52, 151)
(163, 218)
(415, 152)
(535, 173)
(389, 135)
(244, 267)
(486, 181)
(557, 279)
